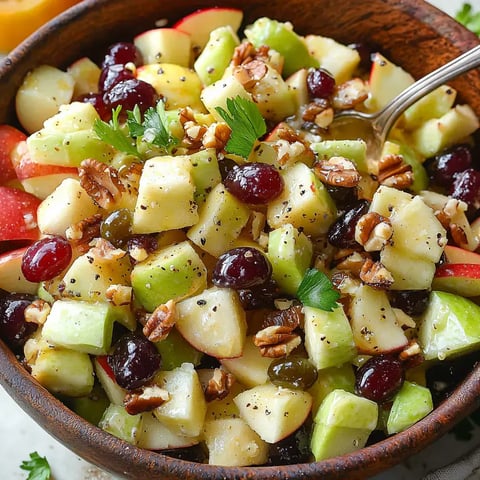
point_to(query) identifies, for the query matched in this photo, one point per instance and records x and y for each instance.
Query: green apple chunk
(155, 435)
(213, 322)
(354, 150)
(340, 60)
(175, 350)
(68, 204)
(205, 173)
(91, 406)
(173, 272)
(216, 56)
(121, 424)
(451, 128)
(60, 370)
(221, 220)
(411, 404)
(328, 337)
(329, 379)
(374, 323)
(448, 326)
(231, 442)
(165, 196)
(82, 326)
(281, 37)
(273, 412)
(304, 202)
(342, 424)
(290, 253)
(184, 412)
(68, 138)
(251, 368)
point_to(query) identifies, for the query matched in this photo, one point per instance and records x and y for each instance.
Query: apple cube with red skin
(459, 278)
(460, 255)
(9, 139)
(19, 215)
(11, 276)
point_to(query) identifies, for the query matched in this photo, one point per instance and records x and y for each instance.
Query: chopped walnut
(161, 322)
(352, 263)
(276, 341)
(37, 312)
(373, 231)
(145, 399)
(315, 108)
(187, 114)
(216, 136)
(394, 172)
(337, 171)
(103, 250)
(119, 295)
(412, 354)
(288, 152)
(291, 317)
(82, 233)
(249, 74)
(375, 275)
(101, 182)
(194, 134)
(243, 53)
(219, 385)
(350, 94)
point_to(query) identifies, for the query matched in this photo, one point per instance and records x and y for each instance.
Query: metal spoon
(381, 122)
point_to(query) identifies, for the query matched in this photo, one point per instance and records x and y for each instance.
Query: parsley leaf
(316, 290)
(153, 128)
(37, 466)
(469, 18)
(112, 133)
(246, 122)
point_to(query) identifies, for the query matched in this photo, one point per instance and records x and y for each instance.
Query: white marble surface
(20, 435)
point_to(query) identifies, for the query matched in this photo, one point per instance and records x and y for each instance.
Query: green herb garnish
(37, 466)
(113, 134)
(316, 290)
(153, 129)
(470, 19)
(246, 122)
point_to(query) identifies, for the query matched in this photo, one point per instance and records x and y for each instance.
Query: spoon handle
(389, 115)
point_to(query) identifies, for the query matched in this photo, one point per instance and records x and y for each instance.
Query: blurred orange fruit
(20, 18)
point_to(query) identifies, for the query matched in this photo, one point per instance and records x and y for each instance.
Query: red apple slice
(9, 138)
(200, 23)
(18, 220)
(460, 255)
(460, 278)
(11, 276)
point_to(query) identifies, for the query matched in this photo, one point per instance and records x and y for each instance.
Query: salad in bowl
(201, 261)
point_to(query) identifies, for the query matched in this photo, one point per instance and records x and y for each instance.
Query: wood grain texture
(411, 33)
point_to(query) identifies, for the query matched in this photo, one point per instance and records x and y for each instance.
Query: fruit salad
(196, 255)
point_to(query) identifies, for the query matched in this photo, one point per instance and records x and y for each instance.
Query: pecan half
(145, 399)
(375, 275)
(250, 73)
(349, 94)
(219, 385)
(160, 322)
(291, 317)
(337, 171)
(276, 341)
(373, 231)
(394, 172)
(100, 181)
(37, 312)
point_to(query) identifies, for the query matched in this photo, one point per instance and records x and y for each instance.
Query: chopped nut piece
(245, 52)
(315, 108)
(101, 182)
(145, 399)
(353, 263)
(394, 172)
(161, 322)
(373, 231)
(216, 136)
(219, 385)
(83, 232)
(249, 74)
(349, 94)
(37, 312)
(412, 354)
(119, 295)
(291, 317)
(375, 275)
(338, 172)
(276, 341)
(104, 250)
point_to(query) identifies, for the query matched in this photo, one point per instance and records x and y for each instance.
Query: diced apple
(297, 83)
(459, 278)
(86, 74)
(460, 255)
(213, 322)
(11, 276)
(103, 371)
(251, 368)
(184, 412)
(231, 442)
(164, 45)
(274, 412)
(200, 23)
(374, 324)
(39, 97)
(10, 137)
(118, 422)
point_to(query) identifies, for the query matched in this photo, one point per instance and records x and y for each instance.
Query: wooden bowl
(411, 33)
